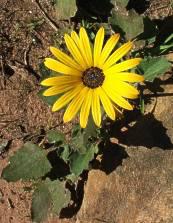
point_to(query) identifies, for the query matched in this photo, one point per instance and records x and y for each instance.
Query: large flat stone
(139, 191)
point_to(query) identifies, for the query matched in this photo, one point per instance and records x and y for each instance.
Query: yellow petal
(85, 109)
(98, 46)
(85, 45)
(110, 44)
(75, 37)
(118, 54)
(60, 80)
(125, 65)
(66, 98)
(58, 89)
(75, 105)
(64, 58)
(95, 107)
(71, 45)
(116, 98)
(60, 67)
(107, 105)
(122, 88)
(126, 76)
(79, 45)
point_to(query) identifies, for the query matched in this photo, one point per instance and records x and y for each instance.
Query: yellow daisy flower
(91, 77)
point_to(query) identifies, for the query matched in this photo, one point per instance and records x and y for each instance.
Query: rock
(139, 191)
(163, 111)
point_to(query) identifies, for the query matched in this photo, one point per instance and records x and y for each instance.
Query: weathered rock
(139, 191)
(163, 111)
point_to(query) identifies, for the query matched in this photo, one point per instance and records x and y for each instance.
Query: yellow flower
(91, 77)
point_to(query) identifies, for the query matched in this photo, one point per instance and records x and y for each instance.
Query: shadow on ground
(147, 131)
(96, 9)
(113, 156)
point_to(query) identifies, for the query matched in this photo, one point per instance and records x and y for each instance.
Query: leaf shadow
(113, 155)
(140, 6)
(165, 28)
(94, 10)
(59, 167)
(148, 132)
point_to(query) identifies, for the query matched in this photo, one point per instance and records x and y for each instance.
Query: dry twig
(46, 16)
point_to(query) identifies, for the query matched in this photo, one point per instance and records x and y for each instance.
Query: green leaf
(129, 24)
(64, 152)
(82, 138)
(41, 203)
(79, 162)
(153, 67)
(49, 196)
(165, 47)
(142, 105)
(77, 141)
(30, 162)
(120, 3)
(55, 136)
(60, 196)
(91, 128)
(65, 9)
(72, 178)
(169, 39)
(3, 145)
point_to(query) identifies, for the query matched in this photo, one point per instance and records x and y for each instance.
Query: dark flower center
(93, 77)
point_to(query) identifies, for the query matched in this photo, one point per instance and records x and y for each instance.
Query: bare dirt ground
(24, 41)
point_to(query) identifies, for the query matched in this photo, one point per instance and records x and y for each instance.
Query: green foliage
(55, 136)
(80, 162)
(153, 67)
(78, 142)
(65, 9)
(60, 196)
(30, 162)
(34, 24)
(129, 24)
(163, 47)
(49, 195)
(64, 152)
(82, 138)
(142, 105)
(3, 145)
(41, 202)
(121, 4)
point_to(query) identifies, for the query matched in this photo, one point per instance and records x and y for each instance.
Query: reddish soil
(23, 115)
